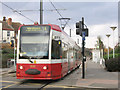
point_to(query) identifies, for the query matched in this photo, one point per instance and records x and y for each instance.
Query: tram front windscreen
(34, 42)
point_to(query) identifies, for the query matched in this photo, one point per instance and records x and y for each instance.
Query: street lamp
(108, 35)
(113, 28)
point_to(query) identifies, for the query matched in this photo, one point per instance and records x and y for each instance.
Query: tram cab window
(56, 49)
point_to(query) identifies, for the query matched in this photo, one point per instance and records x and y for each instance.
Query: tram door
(69, 59)
(68, 55)
(64, 56)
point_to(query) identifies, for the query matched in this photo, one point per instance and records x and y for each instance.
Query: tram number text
(32, 66)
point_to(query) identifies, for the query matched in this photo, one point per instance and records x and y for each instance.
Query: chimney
(4, 18)
(9, 21)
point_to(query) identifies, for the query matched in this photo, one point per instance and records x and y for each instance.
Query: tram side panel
(64, 59)
(56, 70)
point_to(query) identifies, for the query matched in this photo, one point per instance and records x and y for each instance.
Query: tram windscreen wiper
(30, 60)
(27, 57)
(24, 57)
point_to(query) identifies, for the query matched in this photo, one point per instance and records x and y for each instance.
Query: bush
(113, 64)
(7, 53)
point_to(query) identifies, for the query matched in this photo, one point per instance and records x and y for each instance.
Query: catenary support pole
(41, 11)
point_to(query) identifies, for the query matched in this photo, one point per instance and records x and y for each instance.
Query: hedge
(113, 64)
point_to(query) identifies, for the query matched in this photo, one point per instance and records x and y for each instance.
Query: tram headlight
(44, 67)
(21, 67)
(21, 54)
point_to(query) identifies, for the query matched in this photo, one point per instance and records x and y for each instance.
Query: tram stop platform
(96, 78)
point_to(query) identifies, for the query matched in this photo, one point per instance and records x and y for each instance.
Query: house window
(8, 33)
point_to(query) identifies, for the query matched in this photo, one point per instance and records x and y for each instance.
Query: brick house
(9, 30)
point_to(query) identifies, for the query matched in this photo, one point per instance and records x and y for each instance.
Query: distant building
(9, 30)
(96, 55)
(119, 25)
(0, 32)
(0, 36)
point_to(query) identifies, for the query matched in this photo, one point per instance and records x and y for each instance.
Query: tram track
(40, 84)
(22, 85)
(44, 85)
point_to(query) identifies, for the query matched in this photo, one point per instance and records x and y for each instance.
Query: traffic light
(78, 28)
(84, 30)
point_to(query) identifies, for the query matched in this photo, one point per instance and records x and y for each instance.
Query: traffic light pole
(83, 32)
(83, 48)
(84, 58)
(70, 32)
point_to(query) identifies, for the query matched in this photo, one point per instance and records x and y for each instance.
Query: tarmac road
(96, 78)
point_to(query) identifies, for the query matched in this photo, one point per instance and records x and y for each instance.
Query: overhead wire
(56, 9)
(59, 12)
(61, 15)
(16, 11)
(31, 19)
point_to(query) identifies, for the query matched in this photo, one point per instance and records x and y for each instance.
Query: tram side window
(64, 51)
(56, 49)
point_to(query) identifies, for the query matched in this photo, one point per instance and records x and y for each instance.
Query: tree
(101, 45)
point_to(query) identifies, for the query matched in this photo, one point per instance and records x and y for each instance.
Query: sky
(99, 17)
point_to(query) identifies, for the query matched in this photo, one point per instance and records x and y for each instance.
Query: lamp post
(108, 35)
(113, 28)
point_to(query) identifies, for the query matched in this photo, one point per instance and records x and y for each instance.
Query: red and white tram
(45, 52)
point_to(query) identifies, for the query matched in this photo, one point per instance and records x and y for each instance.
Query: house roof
(14, 26)
(5, 26)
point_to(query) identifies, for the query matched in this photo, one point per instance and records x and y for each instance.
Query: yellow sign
(34, 61)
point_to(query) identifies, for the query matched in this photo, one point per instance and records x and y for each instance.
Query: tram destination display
(35, 29)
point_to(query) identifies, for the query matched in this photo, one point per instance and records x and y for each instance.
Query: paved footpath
(97, 77)
(6, 70)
